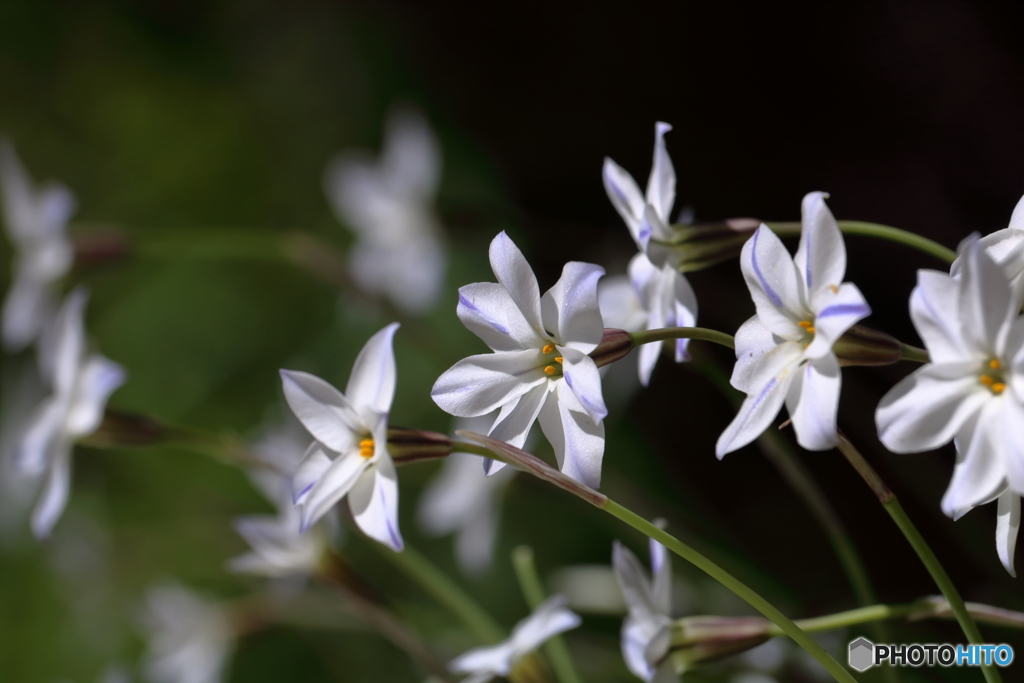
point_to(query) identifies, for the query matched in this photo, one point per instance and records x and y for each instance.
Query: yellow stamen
(994, 364)
(998, 388)
(810, 330)
(548, 348)
(558, 359)
(806, 324)
(366, 448)
(835, 290)
(550, 369)
(987, 381)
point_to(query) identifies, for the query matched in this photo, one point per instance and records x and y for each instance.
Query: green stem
(529, 582)
(661, 334)
(888, 500)
(784, 623)
(444, 590)
(908, 352)
(884, 232)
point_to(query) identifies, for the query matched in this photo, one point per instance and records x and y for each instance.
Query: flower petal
(625, 196)
(926, 409)
(411, 158)
(772, 280)
(63, 343)
(661, 186)
(322, 410)
(479, 384)
(29, 303)
(487, 310)
(337, 481)
(372, 382)
(374, 504)
(635, 586)
(813, 403)
(1007, 526)
(981, 459)
(314, 463)
(549, 619)
(821, 256)
(98, 379)
(985, 298)
(577, 440)
(516, 276)
(584, 379)
(514, 422)
(753, 340)
(683, 304)
(45, 427)
(54, 497)
(570, 309)
(620, 306)
(935, 310)
(835, 313)
(486, 662)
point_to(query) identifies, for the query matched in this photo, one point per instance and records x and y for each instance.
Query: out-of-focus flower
(540, 368)
(80, 383)
(1006, 248)
(35, 220)
(463, 500)
(190, 637)
(350, 455)
(971, 391)
(485, 663)
(662, 292)
(784, 353)
(386, 202)
(647, 630)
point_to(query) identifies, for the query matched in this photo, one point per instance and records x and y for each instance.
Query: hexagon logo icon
(862, 654)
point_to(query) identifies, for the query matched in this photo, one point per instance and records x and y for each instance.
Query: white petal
(577, 440)
(927, 408)
(753, 340)
(515, 275)
(474, 545)
(1008, 434)
(620, 307)
(29, 303)
(337, 481)
(980, 470)
(813, 403)
(661, 572)
(683, 303)
(411, 158)
(487, 310)
(655, 231)
(821, 256)
(314, 463)
(513, 424)
(643, 274)
(99, 378)
(479, 384)
(372, 382)
(413, 277)
(63, 343)
(625, 196)
(54, 497)
(635, 586)
(661, 186)
(570, 309)
(549, 619)
(635, 638)
(45, 428)
(1007, 526)
(773, 282)
(769, 382)
(322, 410)
(647, 356)
(835, 313)
(935, 310)
(374, 503)
(584, 379)
(985, 300)
(493, 660)
(453, 496)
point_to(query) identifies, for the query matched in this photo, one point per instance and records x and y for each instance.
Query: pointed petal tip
(661, 128)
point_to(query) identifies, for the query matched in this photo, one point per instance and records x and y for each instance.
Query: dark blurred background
(170, 119)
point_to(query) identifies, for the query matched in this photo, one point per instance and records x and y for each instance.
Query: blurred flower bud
(615, 345)
(698, 640)
(413, 445)
(865, 346)
(701, 245)
(99, 247)
(127, 429)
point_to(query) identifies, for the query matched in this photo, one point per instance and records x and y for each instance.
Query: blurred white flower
(486, 663)
(540, 368)
(647, 630)
(463, 500)
(80, 383)
(190, 638)
(35, 219)
(784, 353)
(399, 250)
(662, 292)
(972, 390)
(350, 455)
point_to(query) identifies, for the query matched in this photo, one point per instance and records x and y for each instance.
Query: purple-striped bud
(615, 345)
(698, 640)
(865, 346)
(413, 445)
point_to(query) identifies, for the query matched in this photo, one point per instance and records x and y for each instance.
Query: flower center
(555, 366)
(808, 327)
(366, 448)
(993, 378)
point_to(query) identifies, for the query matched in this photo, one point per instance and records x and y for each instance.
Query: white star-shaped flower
(540, 368)
(972, 391)
(663, 293)
(647, 630)
(784, 353)
(399, 250)
(35, 219)
(80, 383)
(350, 455)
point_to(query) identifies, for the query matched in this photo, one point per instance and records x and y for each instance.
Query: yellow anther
(548, 348)
(998, 388)
(558, 359)
(987, 381)
(549, 369)
(366, 448)
(994, 364)
(810, 330)
(806, 324)
(835, 290)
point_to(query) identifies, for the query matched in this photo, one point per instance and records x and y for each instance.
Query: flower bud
(127, 429)
(698, 640)
(615, 345)
(413, 445)
(100, 247)
(698, 246)
(865, 346)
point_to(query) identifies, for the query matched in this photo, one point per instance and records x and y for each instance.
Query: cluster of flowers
(543, 366)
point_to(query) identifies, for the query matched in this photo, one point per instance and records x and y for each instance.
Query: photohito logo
(864, 654)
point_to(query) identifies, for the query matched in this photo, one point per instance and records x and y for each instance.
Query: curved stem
(908, 352)
(529, 582)
(661, 334)
(920, 546)
(877, 230)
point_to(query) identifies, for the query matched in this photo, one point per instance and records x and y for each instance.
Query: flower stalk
(878, 231)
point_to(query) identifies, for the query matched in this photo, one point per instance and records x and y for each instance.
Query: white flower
(350, 455)
(1006, 248)
(463, 500)
(662, 291)
(80, 383)
(485, 663)
(35, 220)
(646, 632)
(387, 203)
(540, 368)
(189, 637)
(971, 391)
(784, 353)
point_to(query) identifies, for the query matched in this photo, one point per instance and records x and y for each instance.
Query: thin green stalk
(529, 582)
(908, 352)
(661, 334)
(888, 500)
(877, 230)
(447, 592)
